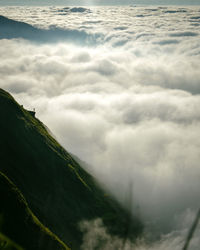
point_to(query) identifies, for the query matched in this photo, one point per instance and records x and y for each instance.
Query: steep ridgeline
(58, 191)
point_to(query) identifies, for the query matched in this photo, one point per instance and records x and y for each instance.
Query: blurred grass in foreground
(7, 244)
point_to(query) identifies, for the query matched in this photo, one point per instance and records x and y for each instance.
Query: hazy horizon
(97, 2)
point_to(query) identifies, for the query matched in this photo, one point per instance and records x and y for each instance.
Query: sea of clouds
(126, 103)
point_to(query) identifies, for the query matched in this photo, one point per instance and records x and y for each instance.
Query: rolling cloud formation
(127, 104)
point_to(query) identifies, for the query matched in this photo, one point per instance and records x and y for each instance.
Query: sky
(119, 88)
(99, 2)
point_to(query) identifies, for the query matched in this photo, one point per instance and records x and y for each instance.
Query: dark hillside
(57, 189)
(19, 223)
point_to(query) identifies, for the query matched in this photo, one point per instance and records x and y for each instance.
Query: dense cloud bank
(128, 105)
(98, 2)
(96, 237)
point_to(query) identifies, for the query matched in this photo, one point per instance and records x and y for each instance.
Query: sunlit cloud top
(100, 2)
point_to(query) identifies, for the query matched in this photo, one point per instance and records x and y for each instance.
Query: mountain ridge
(57, 189)
(12, 29)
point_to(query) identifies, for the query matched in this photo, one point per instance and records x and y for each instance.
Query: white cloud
(129, 105)
(97, 237)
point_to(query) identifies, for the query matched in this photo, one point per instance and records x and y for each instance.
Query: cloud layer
(96, 237)
(128, 105)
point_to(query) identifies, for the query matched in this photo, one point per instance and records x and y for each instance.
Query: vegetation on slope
(57, 189)
(19, 223)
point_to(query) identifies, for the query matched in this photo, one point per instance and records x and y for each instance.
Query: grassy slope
(7, 244)
(20, 224)
(57, 189)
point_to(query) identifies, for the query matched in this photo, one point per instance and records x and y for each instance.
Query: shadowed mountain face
(18, 222)
(57, 189)
(10, 29)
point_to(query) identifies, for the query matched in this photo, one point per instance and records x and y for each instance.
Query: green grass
(8, 244)
(19, 224)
